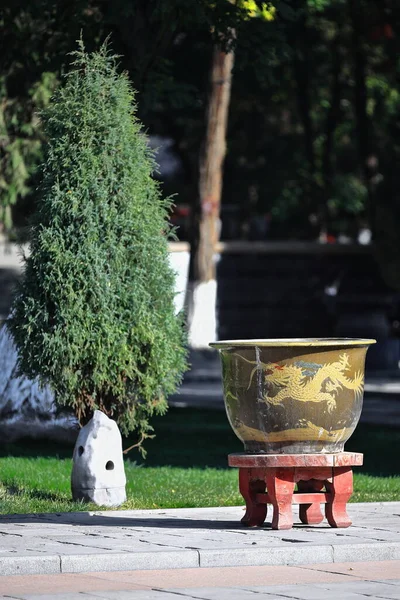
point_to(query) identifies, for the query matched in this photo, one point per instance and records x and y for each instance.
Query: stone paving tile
(306, 592)
(53, 596)
(376, 570)
(98, 551)
(45, 549)
(218, 593)
(341, 536)
(394, 582)
(62, 583)
(371, 528)
(140, 595)
(374, 535)
(43, 528)
(268, 592)
(224, 576)
(369, 588)
(100, 542)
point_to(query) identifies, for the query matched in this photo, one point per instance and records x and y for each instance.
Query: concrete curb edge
(192, 558)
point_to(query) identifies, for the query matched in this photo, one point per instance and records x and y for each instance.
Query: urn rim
(293, 342)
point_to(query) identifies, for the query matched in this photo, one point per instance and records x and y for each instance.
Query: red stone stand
(271, 479)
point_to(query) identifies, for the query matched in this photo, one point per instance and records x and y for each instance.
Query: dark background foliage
(313, 126)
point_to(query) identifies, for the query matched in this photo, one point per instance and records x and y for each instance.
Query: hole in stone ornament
(81, 450)
(110, 465)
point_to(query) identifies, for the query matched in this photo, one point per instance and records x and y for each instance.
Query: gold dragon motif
(295, 381)
(308, 431)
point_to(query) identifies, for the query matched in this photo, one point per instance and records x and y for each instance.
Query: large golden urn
(293, 396)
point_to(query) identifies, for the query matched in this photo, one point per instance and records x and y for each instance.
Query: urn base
(302, 447)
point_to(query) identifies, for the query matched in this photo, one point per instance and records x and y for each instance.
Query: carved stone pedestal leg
(252, 482)
(280, 487)
(341, 489)
(310, 514)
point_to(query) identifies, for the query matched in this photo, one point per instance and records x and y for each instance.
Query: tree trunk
(206, 217)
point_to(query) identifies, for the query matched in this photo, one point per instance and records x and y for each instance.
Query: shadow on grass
(13, 489)
(203, 438)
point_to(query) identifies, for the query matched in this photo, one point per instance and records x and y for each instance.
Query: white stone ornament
(98, 473)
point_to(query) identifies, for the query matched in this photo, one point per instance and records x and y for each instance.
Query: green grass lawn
(186, 466)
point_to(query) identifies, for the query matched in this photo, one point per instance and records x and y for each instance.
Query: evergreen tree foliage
(94, 314)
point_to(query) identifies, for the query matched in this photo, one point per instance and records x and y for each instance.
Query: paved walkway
(187, 538)
(202, 554)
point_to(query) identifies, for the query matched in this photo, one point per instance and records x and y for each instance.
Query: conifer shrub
(94, 313)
